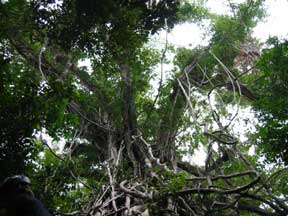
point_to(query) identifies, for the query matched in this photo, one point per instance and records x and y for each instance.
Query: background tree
(271, 85)
(123, 151)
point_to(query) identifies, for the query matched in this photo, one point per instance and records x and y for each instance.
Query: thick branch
(210, 190)
(252, 208)
(261, 199)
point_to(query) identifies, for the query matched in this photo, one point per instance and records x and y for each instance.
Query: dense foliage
(119, 140)
(272, 103)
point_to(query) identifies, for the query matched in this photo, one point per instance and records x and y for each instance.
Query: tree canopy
(123, 128)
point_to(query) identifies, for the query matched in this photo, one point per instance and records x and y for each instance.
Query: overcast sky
(275, 24)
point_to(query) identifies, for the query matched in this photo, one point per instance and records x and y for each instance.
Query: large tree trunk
(129, 118)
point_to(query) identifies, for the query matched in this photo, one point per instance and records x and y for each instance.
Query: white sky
(275, 24)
